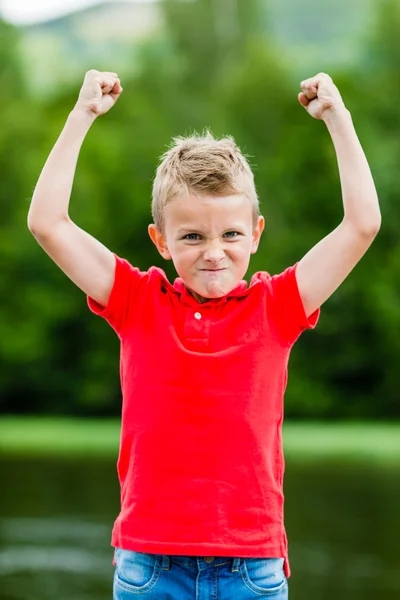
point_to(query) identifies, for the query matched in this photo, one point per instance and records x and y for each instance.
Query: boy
(203, 360)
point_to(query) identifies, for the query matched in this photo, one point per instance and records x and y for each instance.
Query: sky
(21, 12)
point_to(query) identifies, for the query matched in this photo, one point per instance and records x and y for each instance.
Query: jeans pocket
(136, 571)
(264, 576)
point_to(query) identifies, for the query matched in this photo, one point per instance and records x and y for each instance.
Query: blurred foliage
(212, 66)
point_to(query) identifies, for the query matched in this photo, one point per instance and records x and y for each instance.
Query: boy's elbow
(34, 227)
(368, 229)
(373, 229)
(40, 228)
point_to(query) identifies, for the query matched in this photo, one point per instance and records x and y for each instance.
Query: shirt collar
(179, 287)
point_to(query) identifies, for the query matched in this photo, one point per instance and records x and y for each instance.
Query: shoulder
(274, 283)
(125, 270)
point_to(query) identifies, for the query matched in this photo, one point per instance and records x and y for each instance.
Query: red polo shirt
(200, 461)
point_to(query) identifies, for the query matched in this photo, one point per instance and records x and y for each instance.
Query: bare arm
(322, 270)
(89, 264)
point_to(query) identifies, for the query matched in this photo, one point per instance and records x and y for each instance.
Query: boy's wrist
(82, 116)
(337, 114)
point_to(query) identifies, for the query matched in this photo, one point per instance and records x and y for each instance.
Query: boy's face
(210, 240)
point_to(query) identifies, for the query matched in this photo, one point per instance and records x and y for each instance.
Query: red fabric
(201, 462)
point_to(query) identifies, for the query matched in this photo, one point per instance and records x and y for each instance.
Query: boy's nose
(214, 253)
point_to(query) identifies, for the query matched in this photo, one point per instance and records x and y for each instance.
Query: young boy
(203, 360)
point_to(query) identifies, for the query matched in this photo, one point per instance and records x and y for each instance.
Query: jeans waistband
(200, 562)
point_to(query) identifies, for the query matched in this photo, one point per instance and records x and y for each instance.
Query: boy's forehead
(193, 209)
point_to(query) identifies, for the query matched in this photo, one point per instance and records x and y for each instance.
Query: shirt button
(197, 315)
(209, 559)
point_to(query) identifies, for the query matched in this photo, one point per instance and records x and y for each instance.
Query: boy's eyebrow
(186, 229)
(197, 229)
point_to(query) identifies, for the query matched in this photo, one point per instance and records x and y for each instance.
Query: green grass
(305, 441)
(57, 436)
(366, 441)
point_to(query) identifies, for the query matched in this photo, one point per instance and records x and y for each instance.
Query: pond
(342, 521)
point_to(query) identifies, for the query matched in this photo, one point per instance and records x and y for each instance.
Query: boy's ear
(159, 241)
(257, 234)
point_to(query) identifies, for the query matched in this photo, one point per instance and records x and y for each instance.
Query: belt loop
(165, 563)
(235, 565)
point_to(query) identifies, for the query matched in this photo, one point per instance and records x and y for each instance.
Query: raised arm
(321, 271)
(89, 264)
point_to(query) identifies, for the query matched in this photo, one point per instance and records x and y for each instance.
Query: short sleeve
(122, 297)
(286, 306)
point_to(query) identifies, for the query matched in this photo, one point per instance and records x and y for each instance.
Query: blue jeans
(169, 577)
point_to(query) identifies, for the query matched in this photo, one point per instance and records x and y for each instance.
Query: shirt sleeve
(286, 306)
(122, 297)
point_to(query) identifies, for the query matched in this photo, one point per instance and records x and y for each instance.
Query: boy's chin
(212, 291)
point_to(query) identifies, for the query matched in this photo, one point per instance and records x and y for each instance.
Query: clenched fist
(320, 96)
(99, 92)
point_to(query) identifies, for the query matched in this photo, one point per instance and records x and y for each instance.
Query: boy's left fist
(320, 96)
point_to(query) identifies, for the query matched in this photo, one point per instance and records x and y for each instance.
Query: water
(56, 517)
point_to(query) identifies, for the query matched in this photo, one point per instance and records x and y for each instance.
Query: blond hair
(201, 164)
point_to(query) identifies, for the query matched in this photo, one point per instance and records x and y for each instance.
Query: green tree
(212, 66)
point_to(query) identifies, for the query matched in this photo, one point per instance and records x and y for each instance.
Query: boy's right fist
(99, 92)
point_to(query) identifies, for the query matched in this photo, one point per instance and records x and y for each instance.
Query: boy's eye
(192, 236)
(187, 236)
